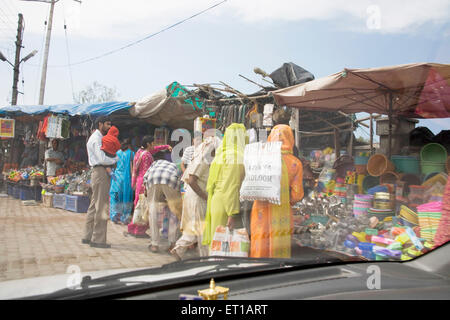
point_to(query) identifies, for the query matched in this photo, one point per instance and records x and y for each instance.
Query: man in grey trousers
(98, 212)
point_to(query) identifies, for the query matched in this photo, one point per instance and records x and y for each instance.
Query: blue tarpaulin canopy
(97, 109)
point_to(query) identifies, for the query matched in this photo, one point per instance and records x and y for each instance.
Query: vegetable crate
(59, 201)
(16, 192)
(9, 189)
(78, 204)
(47, 200)
(26, 193)
(30, 193)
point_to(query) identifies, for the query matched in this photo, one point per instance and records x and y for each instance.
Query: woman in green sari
(224, 182)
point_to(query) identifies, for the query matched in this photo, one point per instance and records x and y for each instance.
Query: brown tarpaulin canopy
(162, 110)
(420, 90)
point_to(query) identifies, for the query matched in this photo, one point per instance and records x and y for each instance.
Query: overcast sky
(322, 36)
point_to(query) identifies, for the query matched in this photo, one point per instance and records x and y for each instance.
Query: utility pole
(47, 47)
(17, 61)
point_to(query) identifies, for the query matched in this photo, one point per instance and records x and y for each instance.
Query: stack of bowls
(383, 200)
(429, 218)
(409, 215)
(380, 214)
(362, 203)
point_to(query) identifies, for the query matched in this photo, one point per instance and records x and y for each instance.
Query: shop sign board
(7, 128)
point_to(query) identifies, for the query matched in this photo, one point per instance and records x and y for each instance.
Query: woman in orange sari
(272, 225)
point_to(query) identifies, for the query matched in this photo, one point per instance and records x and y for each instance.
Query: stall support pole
(337, 145)
(390, 126)
(297, 128)
(371, 134)
(350, 146)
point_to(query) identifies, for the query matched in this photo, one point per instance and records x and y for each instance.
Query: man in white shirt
(98, 212)
(53, 159)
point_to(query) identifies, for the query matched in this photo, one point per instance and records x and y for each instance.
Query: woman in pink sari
(142, 161)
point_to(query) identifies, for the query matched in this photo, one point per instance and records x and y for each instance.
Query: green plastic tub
(406, 164)
(432, 158)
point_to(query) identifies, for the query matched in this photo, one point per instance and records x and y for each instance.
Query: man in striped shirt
(162, 179)
(188, 153)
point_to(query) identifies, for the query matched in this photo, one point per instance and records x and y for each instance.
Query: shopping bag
(226, 242)
(262, 162)
(140, 216)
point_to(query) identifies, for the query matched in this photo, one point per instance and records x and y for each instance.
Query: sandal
(154, 249)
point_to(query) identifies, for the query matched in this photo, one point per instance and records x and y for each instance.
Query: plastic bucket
(370, 182)
(431, 167)
(406, 164)
(379, 164)
(433, 152)
(433, 158)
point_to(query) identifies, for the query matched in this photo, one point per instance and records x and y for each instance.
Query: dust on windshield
(338, 147)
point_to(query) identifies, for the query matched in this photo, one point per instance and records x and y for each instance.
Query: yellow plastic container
(441, 177)
(405, 257)
(409, 215)
(414, 252)
(361, 236)
(403, 238)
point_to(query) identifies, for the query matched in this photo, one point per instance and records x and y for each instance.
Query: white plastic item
(262, 162)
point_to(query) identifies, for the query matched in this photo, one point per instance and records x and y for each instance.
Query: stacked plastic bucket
(429, 218)
(362, 203)
(443, 231)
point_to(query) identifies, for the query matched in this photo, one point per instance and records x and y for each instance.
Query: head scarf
(230, 152)
(110, 143)
(284, 134)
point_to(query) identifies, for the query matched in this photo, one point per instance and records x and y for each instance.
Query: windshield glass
(316, 134)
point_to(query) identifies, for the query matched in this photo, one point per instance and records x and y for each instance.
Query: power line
(141, 40)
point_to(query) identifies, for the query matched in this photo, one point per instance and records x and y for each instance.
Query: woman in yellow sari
(272, 225)
(224, 182)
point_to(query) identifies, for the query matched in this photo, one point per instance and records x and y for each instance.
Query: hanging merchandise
(252, 135)
(203, 124)
(58, 127)
(257, 120)
(42, 129)
(268, 113)
(161, 136)
(262, 181)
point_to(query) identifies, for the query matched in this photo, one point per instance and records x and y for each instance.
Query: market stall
(384, 206)
(33, 128)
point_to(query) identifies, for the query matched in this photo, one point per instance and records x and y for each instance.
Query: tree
(96, 93)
